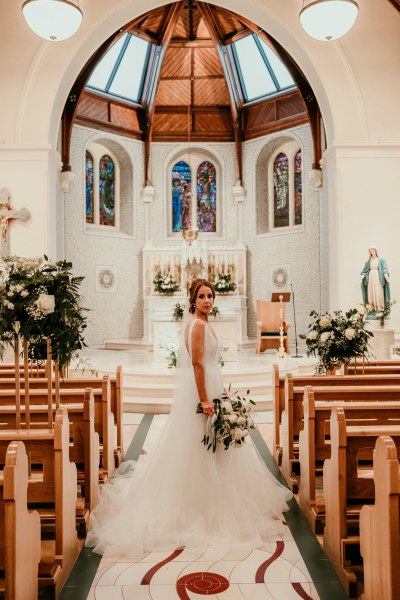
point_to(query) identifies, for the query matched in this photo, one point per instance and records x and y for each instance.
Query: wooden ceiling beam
(234, 92)
(153, 74)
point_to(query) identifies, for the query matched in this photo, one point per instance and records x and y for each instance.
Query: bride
(183, 495)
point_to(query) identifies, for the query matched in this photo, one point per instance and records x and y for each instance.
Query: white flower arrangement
(40, 300)
(231, 422)
(165, 284)
(224, 284)
(337, 338)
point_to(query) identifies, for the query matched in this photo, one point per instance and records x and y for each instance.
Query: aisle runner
(274, 571)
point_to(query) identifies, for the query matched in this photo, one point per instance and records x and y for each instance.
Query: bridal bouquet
(231, 422)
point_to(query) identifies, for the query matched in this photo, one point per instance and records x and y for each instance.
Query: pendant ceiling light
(53, 20)
(327, 20)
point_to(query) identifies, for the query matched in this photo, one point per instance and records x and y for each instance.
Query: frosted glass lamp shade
(327, 20)
(53, 20)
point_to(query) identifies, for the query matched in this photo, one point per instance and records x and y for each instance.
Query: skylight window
(262, 73)
(121, 70)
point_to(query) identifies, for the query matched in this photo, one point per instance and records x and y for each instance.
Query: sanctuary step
(148, 387)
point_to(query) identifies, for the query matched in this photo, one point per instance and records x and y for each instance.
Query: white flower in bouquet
(312, 335)
(233, 418)
(361, 309)
(24, 293)
(241, 421)
(350, 333)
(325, 322)
(240, 433)
(45, 303)
(325, 336)
(8, 304)
(227, 406)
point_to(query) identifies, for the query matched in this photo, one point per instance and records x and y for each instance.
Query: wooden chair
(268, 326)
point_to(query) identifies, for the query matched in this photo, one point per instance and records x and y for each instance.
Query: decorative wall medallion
(280, 277)
(106, 278)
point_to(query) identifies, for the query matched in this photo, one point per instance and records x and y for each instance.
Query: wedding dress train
(184, 495)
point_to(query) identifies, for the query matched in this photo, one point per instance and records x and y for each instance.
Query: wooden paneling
(176, 63)
(210, 91)
(170, 122)
(213, 122)
(289, 106)
(101, 113)
(206, 62)
(124, 117)
(176, 92)
(274, 114)
(93, 107)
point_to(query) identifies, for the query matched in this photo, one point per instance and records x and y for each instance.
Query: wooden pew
(19, 529)
(53, 486)
(104, 418)
(314, 443)
(380, 527)
(292, 415)
(83, 448)
(346, 490)
(116, 387)
(370, 369)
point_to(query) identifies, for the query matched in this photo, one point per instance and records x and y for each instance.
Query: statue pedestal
(166, 334)
(381, 342)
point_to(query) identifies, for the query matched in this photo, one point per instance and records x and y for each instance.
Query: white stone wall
(118, 314)
(300, 248)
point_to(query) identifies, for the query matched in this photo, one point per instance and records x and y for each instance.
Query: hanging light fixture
(53, 20)
(327, 20)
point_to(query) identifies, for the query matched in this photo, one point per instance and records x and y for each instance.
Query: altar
(166, 333)
(184, 263)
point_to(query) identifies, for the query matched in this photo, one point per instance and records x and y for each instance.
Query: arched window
(89, 188)
(285, 188)
(298, 189)
(107, 191)
(181, 181)
(194, 203)
(206, 197)
(281, 190)
(102, 187)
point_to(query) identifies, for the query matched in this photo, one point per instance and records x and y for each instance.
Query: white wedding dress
(184, 495)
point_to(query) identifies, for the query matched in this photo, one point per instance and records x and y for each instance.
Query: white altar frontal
(185, 263)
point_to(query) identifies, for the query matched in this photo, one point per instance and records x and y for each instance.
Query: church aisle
(290, 566)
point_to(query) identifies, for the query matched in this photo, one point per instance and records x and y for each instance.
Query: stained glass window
(107, 191)
(206, 197)
(281, 190)
(89, 188)
(181, 181)
(298, 200)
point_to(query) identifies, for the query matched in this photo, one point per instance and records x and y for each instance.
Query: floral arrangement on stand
(337, 338)
(165, 284)
(177, 314)
(39, 300)
(231, 422)
(224, 284)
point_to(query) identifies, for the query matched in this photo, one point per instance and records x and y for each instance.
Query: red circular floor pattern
(201, 583)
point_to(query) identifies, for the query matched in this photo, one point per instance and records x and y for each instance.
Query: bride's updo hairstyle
(194, 290)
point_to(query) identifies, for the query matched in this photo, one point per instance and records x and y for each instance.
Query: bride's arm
(198, 366)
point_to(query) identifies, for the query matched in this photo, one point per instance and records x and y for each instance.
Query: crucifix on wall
(7, 214)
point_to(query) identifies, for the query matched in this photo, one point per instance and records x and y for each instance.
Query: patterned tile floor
(291, 566)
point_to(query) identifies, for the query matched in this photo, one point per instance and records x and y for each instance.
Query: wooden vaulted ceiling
(191, 90)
